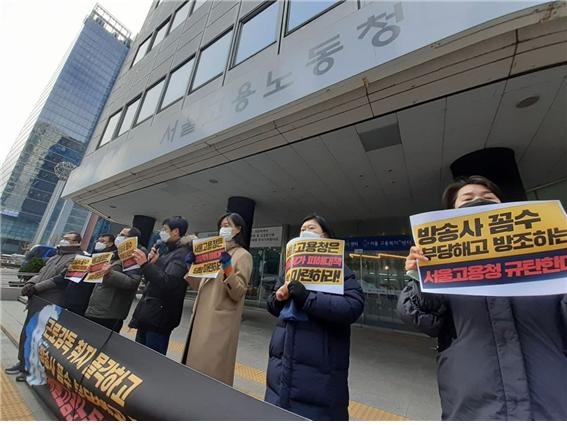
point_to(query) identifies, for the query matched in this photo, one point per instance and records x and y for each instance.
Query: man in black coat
(159, 310)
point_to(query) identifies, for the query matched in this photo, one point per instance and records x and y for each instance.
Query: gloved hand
(190, 259)
(225, 261)
(28, 290)
(298, 292)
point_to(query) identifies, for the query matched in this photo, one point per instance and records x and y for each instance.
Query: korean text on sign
(317, 263)
(207, 253)
(503, 249)
(78, 268)
(126, 253)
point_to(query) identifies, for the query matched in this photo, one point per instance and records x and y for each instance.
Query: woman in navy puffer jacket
(309, 353)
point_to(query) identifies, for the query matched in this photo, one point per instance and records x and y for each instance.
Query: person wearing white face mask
(43, 285)
(309, 350)
(105, 243)
(110, 301)
(499, 358)
(217, 311)
(161, 306)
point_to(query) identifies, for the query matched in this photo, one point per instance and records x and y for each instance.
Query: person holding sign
(159, 310)
(309, 350)
(43, 285)
(499, 358)
(111, 299)
(217, 312)
(77, 294)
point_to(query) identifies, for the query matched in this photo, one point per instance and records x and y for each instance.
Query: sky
(35, 36)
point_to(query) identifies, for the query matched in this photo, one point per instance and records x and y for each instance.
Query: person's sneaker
(13, 369)
(21, 377)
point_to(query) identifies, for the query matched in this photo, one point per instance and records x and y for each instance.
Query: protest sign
(95, 274)
(126, 253)
(207, 254)
(78, 268)
(511, 249)
(317, 263)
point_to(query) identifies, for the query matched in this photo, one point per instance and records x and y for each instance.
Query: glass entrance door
(382, 277)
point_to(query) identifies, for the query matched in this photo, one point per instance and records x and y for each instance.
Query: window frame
(185, 91)
(166, 23)
(287, 31)
(247, 18)
(228, 53)
(125, 111)
(143, 99)
(113, 135)
(134, 61)
(175, 15)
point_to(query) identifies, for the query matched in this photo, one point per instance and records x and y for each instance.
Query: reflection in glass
(129, 116)
(141, 50)
(150, 102)
(257, 33)
(110, 127)
(212, 60)
(177, 84)
(300, 11)
(180, 16)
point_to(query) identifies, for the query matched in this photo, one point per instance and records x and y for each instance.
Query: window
(257, 33)
(141, 50)
(301, 11)
(177, 84)
(160, 34)
(212, 61)
(180, 16)
(197, 4)
(110, 128)
(129, 114)
(150, 102)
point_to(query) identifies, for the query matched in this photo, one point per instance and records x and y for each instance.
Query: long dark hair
(238, 221)
(322, 221)
(450, 194)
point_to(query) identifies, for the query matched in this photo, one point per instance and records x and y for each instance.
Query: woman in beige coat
(217, 311)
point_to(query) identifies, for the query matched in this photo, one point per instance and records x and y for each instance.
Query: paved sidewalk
(391, 377)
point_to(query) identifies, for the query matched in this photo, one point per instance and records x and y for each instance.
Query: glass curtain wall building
(58, 130)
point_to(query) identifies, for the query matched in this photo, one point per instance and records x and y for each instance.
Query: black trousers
(113, 324)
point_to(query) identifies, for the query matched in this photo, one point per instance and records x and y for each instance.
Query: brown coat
(215, 322)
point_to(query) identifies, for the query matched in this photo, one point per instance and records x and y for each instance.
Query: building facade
(358, 110)
(58, 131)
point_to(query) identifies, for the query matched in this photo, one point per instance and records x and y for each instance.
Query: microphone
(160, 247)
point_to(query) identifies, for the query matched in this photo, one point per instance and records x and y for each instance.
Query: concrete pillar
(146, 226)
(245, 207)
(497, 165)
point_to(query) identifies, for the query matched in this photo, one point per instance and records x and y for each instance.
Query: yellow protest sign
(95, 274)
(78, 268)
(207, 254)
(494, 249)
(126, 253)
(317, 263)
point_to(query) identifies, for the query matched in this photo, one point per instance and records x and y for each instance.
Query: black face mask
(477, 203)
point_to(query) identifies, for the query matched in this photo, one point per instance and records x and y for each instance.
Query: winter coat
(215, 323)
(499, 358)
(112, 298)
(161, 306)
(309, 361)
(57, 265)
